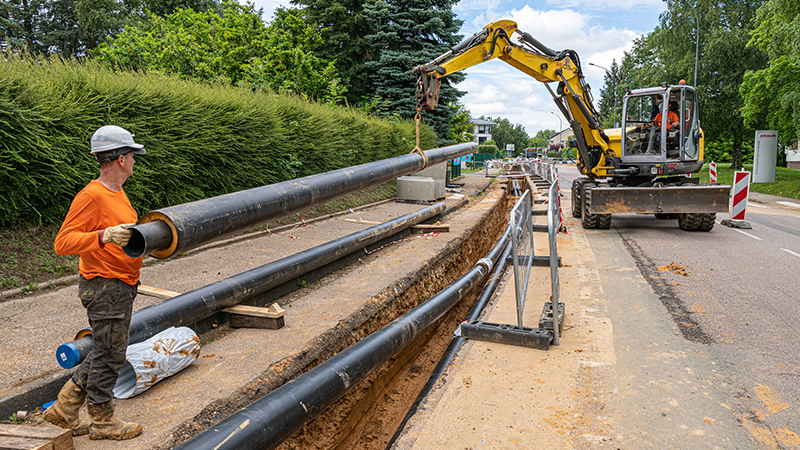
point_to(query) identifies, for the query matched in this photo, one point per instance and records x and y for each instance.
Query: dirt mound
(674, 268)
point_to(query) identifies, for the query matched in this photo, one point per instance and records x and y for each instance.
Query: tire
(589, 220)
(709, 219)
(577, 204)
(690, 221)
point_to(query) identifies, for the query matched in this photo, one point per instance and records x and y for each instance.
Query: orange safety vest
(671, 118)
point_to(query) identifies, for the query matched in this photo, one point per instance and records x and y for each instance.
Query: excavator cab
(662, 130)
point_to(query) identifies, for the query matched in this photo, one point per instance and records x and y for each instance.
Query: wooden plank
(61, 438)
(156, 292)
(441, 228)
(365, 222)
(244, 316)
(18, 443)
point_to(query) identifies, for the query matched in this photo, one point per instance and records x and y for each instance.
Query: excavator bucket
(660, 200)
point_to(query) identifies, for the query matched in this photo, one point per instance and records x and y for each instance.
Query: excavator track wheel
(589, 220)
(577, 205)
(697, 221)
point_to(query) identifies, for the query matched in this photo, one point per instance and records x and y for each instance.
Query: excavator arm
(572, 96)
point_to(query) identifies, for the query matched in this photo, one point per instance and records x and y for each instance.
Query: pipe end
(68, 355)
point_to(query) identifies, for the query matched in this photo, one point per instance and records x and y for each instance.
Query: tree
(344, 28)
(610, 104)
(406, 34)
(461, 127)
(541, 139)
(772, 94)
(73, 27)
(505, 133)
(668, 55)
(233, 47)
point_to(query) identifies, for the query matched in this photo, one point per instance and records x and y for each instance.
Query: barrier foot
(507, 334)
(737, 224)
(546, 321)
(538, 261)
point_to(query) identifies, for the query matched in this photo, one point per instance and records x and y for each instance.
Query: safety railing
(522, 248)
(553, 227)
(526, 177)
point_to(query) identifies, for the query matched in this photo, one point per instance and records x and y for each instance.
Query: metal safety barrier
(521, 221)
(529, 173)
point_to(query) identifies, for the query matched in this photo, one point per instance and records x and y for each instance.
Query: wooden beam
(243, 316)
(425, 228)
(56, 438)
(365, 222)
(157, 292)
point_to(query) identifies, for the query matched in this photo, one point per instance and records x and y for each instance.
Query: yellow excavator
(641, 167)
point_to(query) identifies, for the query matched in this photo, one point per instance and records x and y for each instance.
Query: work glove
(119, 234)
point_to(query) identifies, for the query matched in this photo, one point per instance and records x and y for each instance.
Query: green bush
(721, 151)
(202, 140)
(490, 148)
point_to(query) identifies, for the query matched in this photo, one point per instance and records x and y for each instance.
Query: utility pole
(696, 40)
(559, 129)
(613, 89)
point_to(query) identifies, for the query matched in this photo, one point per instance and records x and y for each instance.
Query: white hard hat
(112, 137)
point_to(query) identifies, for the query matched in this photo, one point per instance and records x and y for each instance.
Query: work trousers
(109, 305)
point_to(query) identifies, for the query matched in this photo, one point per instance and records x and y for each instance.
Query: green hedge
(201, 140)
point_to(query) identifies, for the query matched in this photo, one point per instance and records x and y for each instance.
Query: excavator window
(690, 126)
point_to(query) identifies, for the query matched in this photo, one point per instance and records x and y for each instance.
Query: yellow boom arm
(530, 56)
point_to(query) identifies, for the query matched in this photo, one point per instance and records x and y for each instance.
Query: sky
(600, 31)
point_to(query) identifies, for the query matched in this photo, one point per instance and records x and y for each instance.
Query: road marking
(791, 204)
(791, 252)
(748, 234)
(755, 205)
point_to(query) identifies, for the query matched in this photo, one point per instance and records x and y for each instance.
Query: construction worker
(96, 228)
(672, 118)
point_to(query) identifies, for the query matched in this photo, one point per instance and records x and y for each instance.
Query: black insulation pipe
(456, 341)
(178, 228)
(269, 421)
(193, 306)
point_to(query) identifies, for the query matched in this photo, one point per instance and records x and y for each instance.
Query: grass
(787, 181)
(28, 261)
(27, 258)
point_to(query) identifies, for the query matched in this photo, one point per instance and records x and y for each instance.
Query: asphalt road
(733, 300)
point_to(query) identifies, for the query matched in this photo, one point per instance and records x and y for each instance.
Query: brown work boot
(64, 412)
(106, 426)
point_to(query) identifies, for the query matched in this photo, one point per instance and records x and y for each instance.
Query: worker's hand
(119, 234)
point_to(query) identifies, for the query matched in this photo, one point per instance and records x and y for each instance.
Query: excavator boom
(572, 96)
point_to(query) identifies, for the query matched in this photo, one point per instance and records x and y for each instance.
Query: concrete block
(416, 188)
(439, 175)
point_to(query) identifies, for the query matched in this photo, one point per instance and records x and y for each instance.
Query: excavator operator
(672, 119)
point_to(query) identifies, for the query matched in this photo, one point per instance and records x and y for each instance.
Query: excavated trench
(368, 416)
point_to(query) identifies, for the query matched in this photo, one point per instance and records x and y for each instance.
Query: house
(481, 130)
(560, 139)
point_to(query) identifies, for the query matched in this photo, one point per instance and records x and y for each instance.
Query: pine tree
(344, 28)
(408, 33)
(610, 104)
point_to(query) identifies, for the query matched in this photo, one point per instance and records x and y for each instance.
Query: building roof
(481, 122)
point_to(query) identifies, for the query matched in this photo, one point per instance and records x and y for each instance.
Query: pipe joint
(486, 263)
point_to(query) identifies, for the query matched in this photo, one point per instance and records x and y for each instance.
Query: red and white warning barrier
(712, 172)
(741, 191)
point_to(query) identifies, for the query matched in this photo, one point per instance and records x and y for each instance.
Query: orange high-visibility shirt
(94, 208)
(671, 118)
